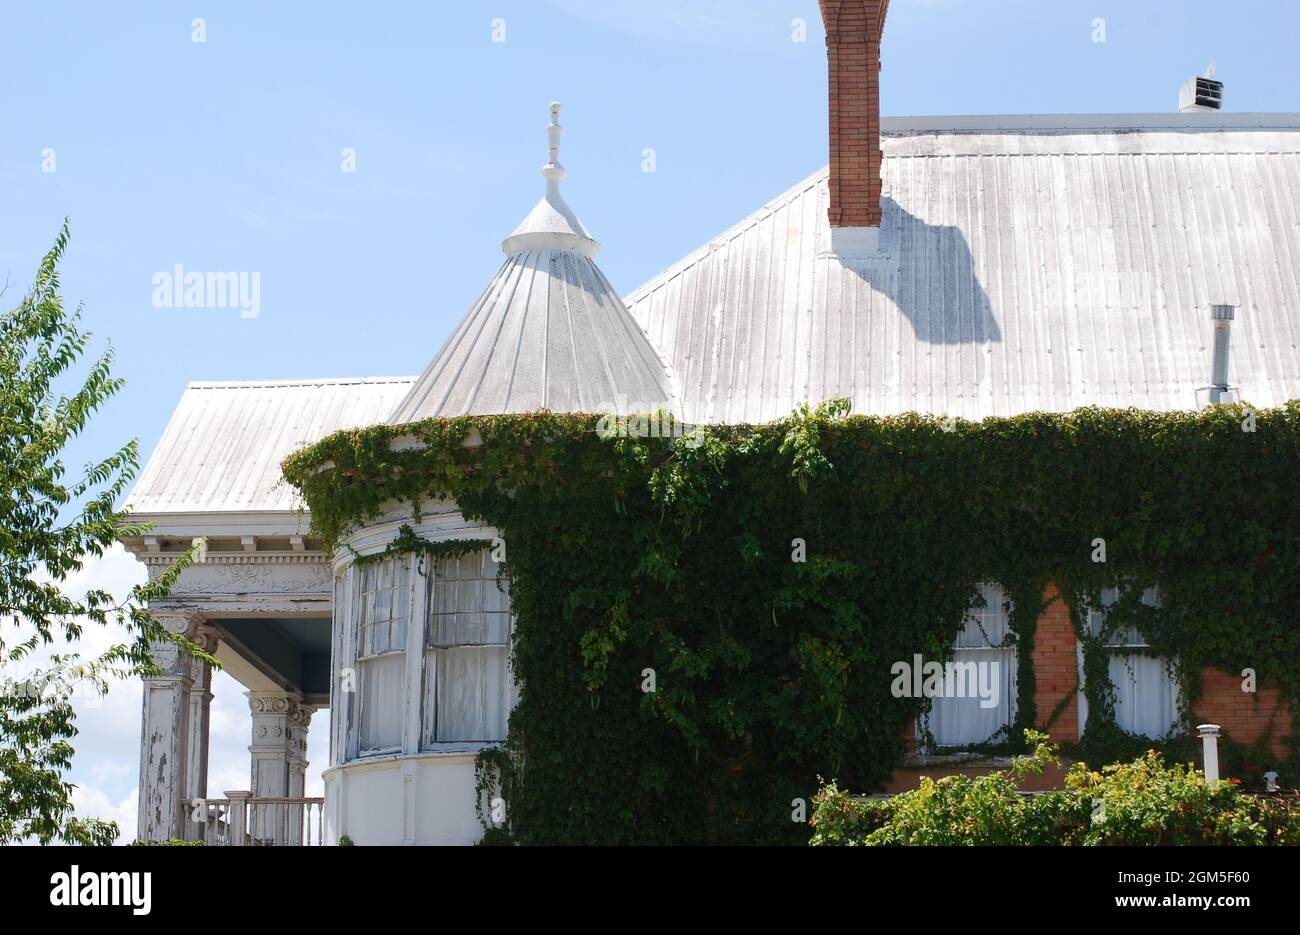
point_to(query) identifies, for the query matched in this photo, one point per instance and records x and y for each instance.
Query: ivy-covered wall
(649, 562)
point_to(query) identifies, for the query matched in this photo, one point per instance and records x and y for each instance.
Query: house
(958, 266)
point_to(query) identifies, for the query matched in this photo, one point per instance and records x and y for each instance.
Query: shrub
(1146, 801)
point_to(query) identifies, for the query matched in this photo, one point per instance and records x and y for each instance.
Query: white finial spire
(551, 225)
(553, 172)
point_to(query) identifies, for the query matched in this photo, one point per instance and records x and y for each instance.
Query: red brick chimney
(853, 30)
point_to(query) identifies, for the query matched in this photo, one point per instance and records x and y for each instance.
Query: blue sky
(226, 155)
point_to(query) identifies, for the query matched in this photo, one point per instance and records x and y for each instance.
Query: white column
(174, 732)
(279, 762)
(198, 703)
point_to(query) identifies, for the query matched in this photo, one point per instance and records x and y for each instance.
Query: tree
(50, 524)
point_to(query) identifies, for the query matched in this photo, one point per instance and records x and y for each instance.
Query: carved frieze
(228, 575)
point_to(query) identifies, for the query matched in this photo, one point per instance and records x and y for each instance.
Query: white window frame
(430, 651)
(401, 589)
(1130, 639)
(995, 606)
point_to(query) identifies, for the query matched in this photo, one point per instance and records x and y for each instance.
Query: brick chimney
(853, 31)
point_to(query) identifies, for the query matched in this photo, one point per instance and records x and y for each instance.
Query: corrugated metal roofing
(1026, 263)
(1042, 267)
(222, 449)
(549, 332)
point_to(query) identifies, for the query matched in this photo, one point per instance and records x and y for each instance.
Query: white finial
(1209, 72)
(553, 172)
(551, 225)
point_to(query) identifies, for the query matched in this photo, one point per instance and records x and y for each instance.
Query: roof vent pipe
(1222, 316)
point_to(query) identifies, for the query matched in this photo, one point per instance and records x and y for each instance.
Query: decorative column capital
(279, 720)
(192, 626)
(180, 622)
(286, 704)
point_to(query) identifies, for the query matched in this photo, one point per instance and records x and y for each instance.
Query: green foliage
(406, 542)
(1143, 802)
(345, 841)
(627, 554)
(984, 810)
(171, 842)
(50, 524)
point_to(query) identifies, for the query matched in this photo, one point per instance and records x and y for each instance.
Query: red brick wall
(853, 30)
(1246, 716)
(1056, 672)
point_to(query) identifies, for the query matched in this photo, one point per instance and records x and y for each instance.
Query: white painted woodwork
(174, 733)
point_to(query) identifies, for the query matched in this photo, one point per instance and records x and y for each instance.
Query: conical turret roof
(548, 332)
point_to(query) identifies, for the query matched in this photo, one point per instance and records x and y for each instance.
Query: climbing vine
(406, 542)
(704, 625)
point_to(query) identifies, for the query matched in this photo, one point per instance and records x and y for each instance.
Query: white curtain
(967, 718)
(382, 683)
(1146, 690)
(383, 608)
(1146, 694)
(467, 690)
(471, 693)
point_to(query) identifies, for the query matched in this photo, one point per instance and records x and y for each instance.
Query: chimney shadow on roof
(928, 272)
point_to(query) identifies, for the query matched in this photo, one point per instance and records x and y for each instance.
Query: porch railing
(240, 820)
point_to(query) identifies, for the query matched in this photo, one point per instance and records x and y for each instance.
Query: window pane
(979, 696)
(986, 626)
(470, 693)
(467, 679)
(382, 681)
(1146, 694)
(984, 700)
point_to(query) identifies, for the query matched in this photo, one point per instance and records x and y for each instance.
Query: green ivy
(676, 556)
(406, 542)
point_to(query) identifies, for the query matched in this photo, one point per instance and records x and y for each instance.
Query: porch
(261, 606)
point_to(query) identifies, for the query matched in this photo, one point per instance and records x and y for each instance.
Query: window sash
(986, 637)
(1146, 689)
(467, 692)
(382, 610)
(1128, 638)
(468, 683)
(382, 685)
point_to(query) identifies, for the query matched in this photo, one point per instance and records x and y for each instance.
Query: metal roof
(222, 449)
(548, 332)
(1025, 263)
